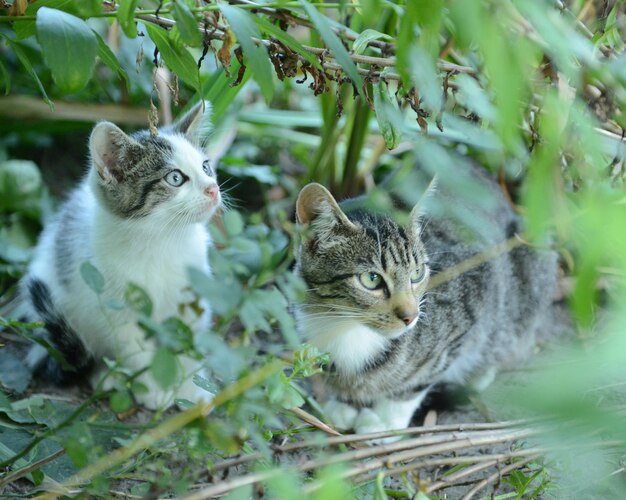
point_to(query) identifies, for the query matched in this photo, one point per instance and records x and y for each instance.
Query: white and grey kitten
(389, 338)
(139, 217)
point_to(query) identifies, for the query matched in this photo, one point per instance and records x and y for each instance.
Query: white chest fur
(350, 344)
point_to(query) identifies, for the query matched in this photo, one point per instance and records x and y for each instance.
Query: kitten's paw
(342, 415)
(193, 393)
(369, 421)
(155, 399)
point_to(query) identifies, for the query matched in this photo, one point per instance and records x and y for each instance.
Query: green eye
(370, 280)
(418, 274)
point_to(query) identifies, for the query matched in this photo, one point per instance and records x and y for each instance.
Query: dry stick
(455, 478)
(253, 478)
(497, 475)
(314, 421)
(168, 427)
(359, 59)
(429, 445)
(30, 468)
(474, 261)
(447, 428)
(367, 471)
(226, 486)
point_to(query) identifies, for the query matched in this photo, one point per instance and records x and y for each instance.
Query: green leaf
(383, 107)
(126, 17)
(69, 48)
(406, 40)
(287, 40)
(333, 42)
(137, 299)
(175, 55)
(21, 55)
(255, 56)
(24, 29)
(120, 401)
(187, 24)
(233, 223)
(13, 373)
(164, 367)
(5, 79)
(360, 44)
(92, 277)
(108, 57)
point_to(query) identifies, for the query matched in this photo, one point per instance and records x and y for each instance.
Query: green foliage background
(352, 95)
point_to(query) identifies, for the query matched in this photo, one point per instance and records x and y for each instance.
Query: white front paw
(369, 421)
(342, 415)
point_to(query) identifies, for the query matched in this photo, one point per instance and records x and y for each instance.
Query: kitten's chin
(392, 333)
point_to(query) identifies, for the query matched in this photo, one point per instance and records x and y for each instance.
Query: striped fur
(466, 328)
(136, 224)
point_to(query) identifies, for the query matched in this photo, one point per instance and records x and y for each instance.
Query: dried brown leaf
(224, 53)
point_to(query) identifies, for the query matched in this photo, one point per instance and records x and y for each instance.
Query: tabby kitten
(139, 217)
(390, 338)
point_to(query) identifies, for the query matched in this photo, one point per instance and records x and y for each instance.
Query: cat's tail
(66, 360)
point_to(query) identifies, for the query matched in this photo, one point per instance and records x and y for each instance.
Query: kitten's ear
(107, 145)
(418, 211)
(316, 204)
(195, 124)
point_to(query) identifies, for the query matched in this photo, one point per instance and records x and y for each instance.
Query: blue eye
(206, 166)
(175, 178)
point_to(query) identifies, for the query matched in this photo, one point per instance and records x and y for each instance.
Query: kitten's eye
(418, 274)
(370, 280)
(206, 166)
(175, 178)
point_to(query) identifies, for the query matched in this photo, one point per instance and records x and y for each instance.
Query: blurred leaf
(430, 18)
(21, 55)
(334, 44)
(219, 90)
(213, 290)
(138, 299)
(187, 24)
(5, 78)
(79, 444)
(108, 57)
(92, 277)
(471, 96)
(164, 367)
(206, 384)
(383, 106)
(69, 48)
(263, 305)
(126, 17)
(360, 44)
(424, 76)
(14, 374)
(233, 223)
(406, 40)
(540, 193)
(20, 185)
(281, 392)
(175, 55)
(120, 401)
(255, 56)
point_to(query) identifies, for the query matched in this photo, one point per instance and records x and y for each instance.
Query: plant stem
(168, 427)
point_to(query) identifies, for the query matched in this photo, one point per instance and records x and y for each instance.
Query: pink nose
(212, 191)
(409, 318)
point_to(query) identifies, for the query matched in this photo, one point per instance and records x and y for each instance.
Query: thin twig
(497, 475)
(15, 475)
